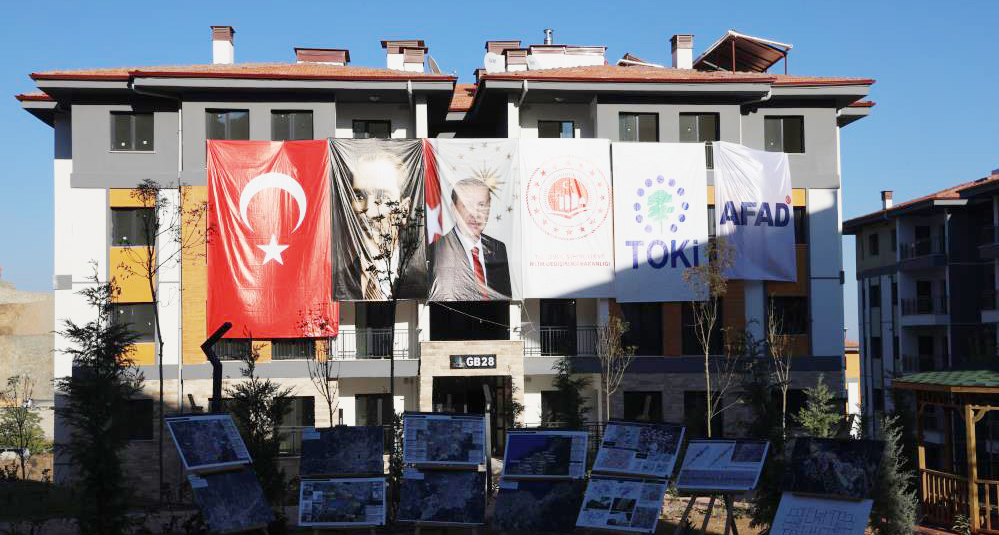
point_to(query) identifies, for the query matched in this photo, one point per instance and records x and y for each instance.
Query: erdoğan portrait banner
(269, 264)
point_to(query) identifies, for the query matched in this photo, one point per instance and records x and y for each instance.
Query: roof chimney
(223, 52)
(548, 36)
(402, 54)
(326, 56)
(886, 199)
(682, 47)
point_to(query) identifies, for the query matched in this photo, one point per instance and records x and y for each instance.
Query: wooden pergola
(946, 493)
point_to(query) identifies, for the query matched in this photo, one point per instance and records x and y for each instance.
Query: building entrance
(466, 395)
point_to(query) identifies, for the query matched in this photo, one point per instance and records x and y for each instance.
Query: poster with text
(639, 448)
(473, 207)
(232, 501)
(845, 468)
(622, 504)
(722, 465)
(753, 212)
(807, 515)
(342, 502)
(207, 442)
(343, 450)
(538, 505)
(443, 439)
(539, 454)
(568, 228)
(660, 219)
(442, 496)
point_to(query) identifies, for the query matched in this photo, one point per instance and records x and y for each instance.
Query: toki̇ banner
(269, 263)
(753, 211)
(473, 220)
(660, 219)
(567, 229)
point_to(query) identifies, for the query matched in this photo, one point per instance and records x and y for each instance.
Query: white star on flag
(272, 251)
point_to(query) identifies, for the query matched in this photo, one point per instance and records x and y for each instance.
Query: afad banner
(269, 264)
(568, 229)
(376, 184)
(473, 220)
(660, 219)
(753, 212)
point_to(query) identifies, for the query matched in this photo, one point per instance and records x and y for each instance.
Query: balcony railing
(560, 341)
(920, 363)
(924, 247)
(377, 344)
(924, 305)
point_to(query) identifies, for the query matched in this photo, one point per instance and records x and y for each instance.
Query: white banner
(568, 229)
(477, 256)
(660, 219)
(753, 211)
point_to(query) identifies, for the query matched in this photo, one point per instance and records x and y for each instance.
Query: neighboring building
(26, 325)
(851, 377)
(116, 127)
(926, 290)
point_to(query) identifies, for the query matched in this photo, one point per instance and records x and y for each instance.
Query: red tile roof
(301, 71)
(33, 96)
(953, 192)
(861, 104)
(462, 98)
(615, 73)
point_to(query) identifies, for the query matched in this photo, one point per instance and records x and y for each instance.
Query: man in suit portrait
(466, 264)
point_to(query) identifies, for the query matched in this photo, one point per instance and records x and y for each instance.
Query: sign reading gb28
(459, 362)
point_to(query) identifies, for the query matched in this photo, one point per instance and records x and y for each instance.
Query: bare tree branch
(614, 357)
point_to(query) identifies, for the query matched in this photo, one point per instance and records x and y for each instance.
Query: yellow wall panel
(798, 197)
(144, 354)
(852, 365)
(799, 288)
(263, 349)
(734, 307)
(800, 344)
(672, 329)
(127, 269)
(125, 198)
(195, 286)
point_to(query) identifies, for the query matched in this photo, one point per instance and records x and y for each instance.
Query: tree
(257, 407)
(614, 357)
(176, 226)
(571, 408)
(895, 503)
(709, 284)
(760, 396)
(324, 368)
(660, 207)
(819, 416)
(19, 420)
(96, 412)
(779, 350)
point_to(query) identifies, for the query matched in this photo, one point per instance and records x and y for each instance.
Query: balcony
(924, 311)
(358, 344)
(560, 341)
(921, 254)
(920, 363)
(988, 246)
(989, 303)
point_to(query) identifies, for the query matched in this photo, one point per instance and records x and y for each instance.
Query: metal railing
(559, 341)
(924, 247)
(920, 363)
(924, 305)
(377, 344)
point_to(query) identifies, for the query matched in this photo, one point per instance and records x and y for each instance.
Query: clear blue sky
(936, 122)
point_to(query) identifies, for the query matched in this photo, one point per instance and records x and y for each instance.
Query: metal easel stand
(729, 513)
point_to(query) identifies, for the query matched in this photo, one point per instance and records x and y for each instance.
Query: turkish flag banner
(269, 258)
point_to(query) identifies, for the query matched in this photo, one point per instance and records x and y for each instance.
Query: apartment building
(115, 127)
(926, 291)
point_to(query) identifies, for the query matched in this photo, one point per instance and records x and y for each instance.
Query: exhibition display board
(347, 502)
(622, 504)
(538, 505)
(437, 439)
(722, 466)
(343, 450)
(231, 502)
(544, 454)
(208, 442)
(637, 448)
(443, 497)
(810, 515)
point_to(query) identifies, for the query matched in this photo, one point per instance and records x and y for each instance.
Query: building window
(873, 244)
(556, 129)
(558, 327)
(894, 240)
(554, 405)
(643, 406)
(638, 126)
(700, 128)
(876, 351)
(695, 414)
(302, 412)
(800, 225)
(227, 124)
(131, 131)
(132, 227)
(875, 296)
(645, 327)
(784, 134)
(690, 343)
(373, 409)
(138, 318)
(291, 125)
(879, 400)
(793, 310)
(894, 293)
(140, 419)
(233, 348)
(712, 232)
(293, 348)
(372, 129)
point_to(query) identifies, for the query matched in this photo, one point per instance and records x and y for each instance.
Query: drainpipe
(770, 92)
(523, 94)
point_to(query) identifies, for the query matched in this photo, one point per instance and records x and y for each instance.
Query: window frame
(561, 128)
(791, 320)
(137, 409)
(228, 353)
(367, 123)
(228, 123)
(874, 244)
(146, 336)
(292, 115)
(709, 158)
(782, 121)
(655, 413)
(132, 115)
(309, 345)
(800, 214)
(134, 223)
(637, 115)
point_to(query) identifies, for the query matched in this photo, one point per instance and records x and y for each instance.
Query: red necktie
(480, 274)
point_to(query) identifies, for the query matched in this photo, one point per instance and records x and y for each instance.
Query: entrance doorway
(466, 395)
